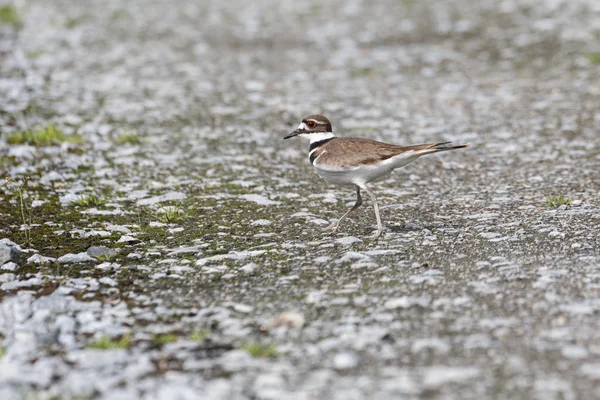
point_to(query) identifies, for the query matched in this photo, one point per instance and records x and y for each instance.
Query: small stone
(290, 319)
(9, 251)
(243, 308)
(101, 251)
(235, 360)
(118, 228)
(38, 203)
(259, 199)
(406, 302)
(413, 227)
(67, 199)
(50, 177)
(440, 375)
(162, 198)
(21, 284)
(261, 222)
(75, 258)
(96, 233)
(489, 235)
(9, 266)
(39, 259)
(128, 239)
(22, 151)
(556, 235)
(348, 240)
(108, 281)
(574, 352)
(269, 386)
(107, 265)
(7, 277)
(249, 268)
(590, 370)
(344, 361)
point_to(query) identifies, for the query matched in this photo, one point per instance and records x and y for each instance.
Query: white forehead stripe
(302, 126)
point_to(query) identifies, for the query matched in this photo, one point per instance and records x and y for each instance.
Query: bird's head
(313, 127)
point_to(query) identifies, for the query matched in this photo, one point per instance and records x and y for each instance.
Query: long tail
(423, 149)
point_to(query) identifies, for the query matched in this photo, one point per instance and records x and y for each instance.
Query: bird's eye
(311, 124)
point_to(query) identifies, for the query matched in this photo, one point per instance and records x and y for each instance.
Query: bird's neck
(315, 144)
(319, 137)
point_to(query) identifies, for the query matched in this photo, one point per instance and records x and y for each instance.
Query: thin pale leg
(333, 227)
(376, 207)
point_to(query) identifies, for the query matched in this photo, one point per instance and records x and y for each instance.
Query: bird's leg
(376, 207)
(333, 227)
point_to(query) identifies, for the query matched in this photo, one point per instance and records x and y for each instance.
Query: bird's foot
(377, 234)
(331, 228)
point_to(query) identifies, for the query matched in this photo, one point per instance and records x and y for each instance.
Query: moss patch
(43, 136)
(261, 350)
(594, 58)
(10, 16)
(129, 138)
(106, 343)
(88, 200)
(557, 201)
(164, 338)
(200, 335)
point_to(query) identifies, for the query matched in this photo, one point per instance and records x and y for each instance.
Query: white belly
(364, 174)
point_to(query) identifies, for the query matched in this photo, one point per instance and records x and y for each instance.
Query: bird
(357, 162)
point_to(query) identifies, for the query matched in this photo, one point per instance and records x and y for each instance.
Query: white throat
(317, 137)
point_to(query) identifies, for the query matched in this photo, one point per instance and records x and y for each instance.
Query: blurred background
(457, 67)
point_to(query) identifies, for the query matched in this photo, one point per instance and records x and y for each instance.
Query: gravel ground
(166, 243)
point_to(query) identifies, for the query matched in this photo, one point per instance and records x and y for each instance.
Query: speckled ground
(171, 244)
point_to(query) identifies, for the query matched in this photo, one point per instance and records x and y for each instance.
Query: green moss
(10, 16)
(129, 138)
(164, 338)
(43, 136)
(170, 215)
(2, 352)
(44, 237)
(200, 335)
(88, 200)
(75, 22)
(366, 71)
(33, 54)
(107, 257)
(594, 58)
(557, 201)
(202, 219)
(106, 343)
(260, 350)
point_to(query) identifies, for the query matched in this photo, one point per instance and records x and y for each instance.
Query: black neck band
(320, 143)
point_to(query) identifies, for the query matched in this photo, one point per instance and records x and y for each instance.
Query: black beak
(291, 135)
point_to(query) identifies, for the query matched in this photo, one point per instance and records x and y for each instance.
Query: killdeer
(357, 161)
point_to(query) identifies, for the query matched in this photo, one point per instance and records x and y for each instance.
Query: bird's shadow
(414, 227)
(406, 228)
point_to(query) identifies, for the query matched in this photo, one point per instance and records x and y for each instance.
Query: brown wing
(346, 152)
